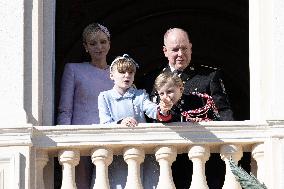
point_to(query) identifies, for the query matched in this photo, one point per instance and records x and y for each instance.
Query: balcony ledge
(147, 135)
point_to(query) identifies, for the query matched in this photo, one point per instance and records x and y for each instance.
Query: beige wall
(27, 62)
(27, 55)
(27, 73)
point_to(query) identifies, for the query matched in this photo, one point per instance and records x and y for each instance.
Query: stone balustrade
(68, 159)
(133, 156)
(165, 155)
(102, 158)
(165, 142)
(198, 154)
(235, 152)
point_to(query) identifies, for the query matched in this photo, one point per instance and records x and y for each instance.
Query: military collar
(187, 69)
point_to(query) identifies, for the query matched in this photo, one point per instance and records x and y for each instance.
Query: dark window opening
(219, 32)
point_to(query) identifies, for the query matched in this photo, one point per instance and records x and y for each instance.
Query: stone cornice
(147, 135)
(151, 134)
(16, 136)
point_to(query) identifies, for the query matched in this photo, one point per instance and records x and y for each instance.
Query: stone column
(41, 161)
(133, 156)
(12, 77)
(102, 158)
(258, 155)
(198, 154)
(69, 159)
(235, 152)
(166, 155)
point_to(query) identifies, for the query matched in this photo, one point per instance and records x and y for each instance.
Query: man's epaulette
(210, 67)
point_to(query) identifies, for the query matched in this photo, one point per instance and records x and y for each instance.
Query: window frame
(260, 52)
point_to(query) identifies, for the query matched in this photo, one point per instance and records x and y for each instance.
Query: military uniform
(194, 105)
(204, 80)
(201, 79)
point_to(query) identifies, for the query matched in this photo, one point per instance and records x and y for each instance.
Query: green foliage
(247, 181)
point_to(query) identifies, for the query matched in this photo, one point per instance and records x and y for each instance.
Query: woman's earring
(87, 51)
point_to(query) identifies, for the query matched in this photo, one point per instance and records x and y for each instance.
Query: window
(219, 31)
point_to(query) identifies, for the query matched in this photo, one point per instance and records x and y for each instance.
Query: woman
(82, 82)
(80, 86)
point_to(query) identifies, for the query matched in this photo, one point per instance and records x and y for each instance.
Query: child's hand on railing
(129, 122)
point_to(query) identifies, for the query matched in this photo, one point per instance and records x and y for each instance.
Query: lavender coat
(80, 86)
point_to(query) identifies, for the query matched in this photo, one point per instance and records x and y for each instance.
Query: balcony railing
(164, 141)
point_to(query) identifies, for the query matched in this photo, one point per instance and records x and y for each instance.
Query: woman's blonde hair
(94, 28)
(165, 77)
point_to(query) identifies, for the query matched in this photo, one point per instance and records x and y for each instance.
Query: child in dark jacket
(191, 107)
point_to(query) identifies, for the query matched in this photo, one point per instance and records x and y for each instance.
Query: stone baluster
(68, 159)
(236, 152)
(41, 161)
(133, 156)
(198, 154)
(166, 155)
(258, 155)
(102, 158)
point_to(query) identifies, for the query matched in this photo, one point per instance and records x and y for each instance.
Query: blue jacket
(114, 107)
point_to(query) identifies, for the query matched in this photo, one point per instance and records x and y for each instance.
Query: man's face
(178, 49)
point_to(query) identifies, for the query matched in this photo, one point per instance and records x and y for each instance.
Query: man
(197, 78)
(203, 79)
